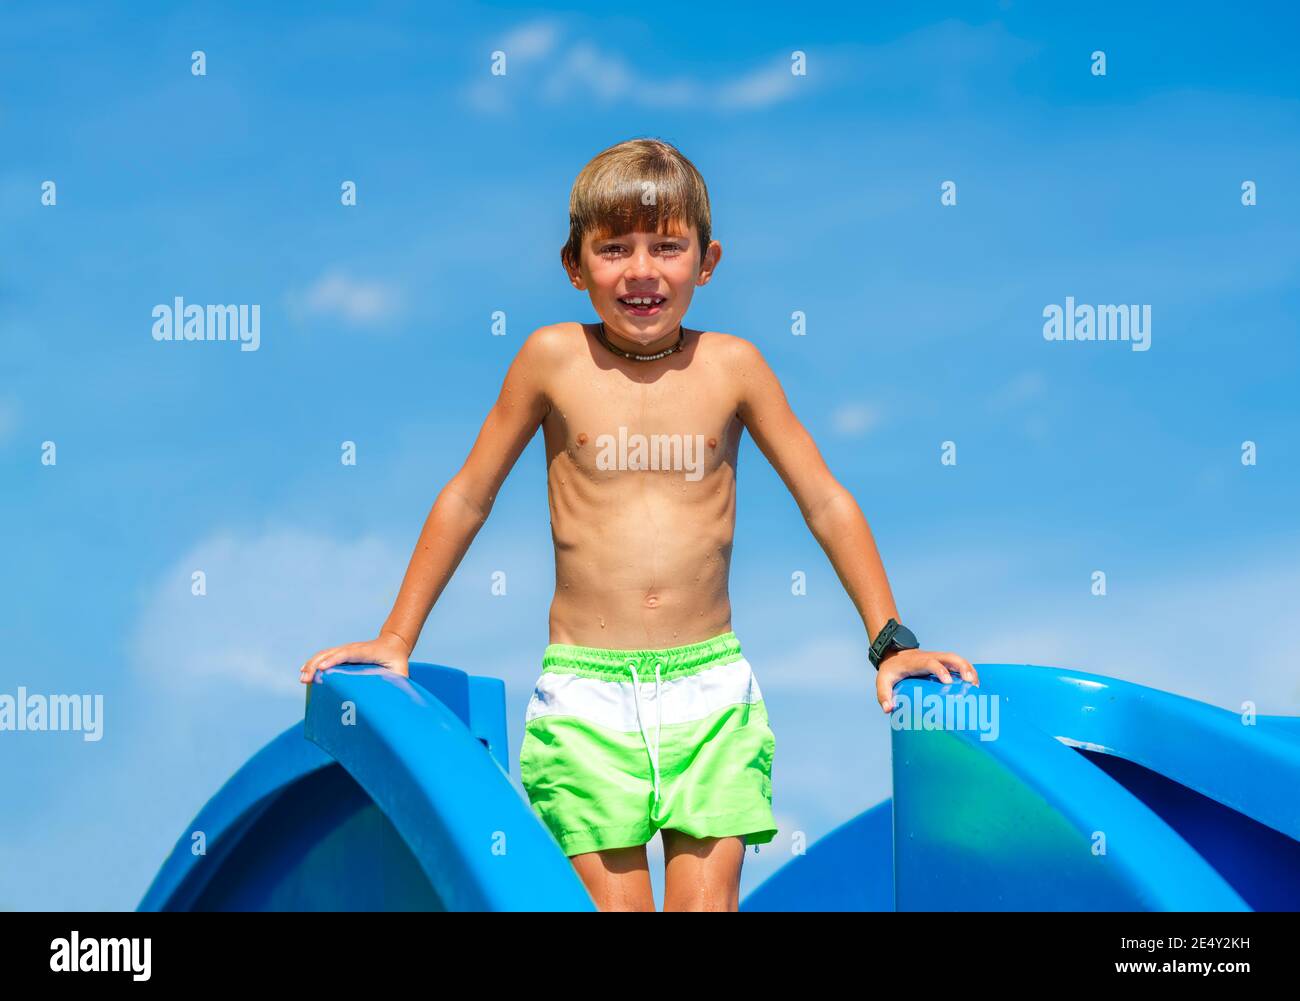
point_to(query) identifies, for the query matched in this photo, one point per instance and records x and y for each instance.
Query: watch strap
(889, 639)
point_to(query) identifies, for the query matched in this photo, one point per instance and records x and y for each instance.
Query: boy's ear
(709, 262)
(575, 274)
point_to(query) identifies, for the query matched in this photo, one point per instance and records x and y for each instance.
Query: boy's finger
(964, 666)
(941, 669)
(339, 656)
(351, 653)
(328, 658)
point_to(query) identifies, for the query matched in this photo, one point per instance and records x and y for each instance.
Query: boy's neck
(666, 345)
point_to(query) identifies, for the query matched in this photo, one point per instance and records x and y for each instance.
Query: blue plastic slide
(1043, 789)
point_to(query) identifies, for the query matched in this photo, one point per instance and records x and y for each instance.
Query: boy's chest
(610, 426)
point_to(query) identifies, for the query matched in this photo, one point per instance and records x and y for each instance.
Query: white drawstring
(659, 713)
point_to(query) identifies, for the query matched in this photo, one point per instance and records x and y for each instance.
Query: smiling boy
(646, 716)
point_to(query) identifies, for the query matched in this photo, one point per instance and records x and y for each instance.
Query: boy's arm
(832, 514)
(465, 502)
(459, 511)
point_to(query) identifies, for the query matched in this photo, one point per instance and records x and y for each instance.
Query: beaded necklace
(604, 339)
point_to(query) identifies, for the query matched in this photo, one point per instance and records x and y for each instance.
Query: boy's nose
(640, 264)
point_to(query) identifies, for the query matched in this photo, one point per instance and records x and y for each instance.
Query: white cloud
(277, 596)
(272, 600)
(964, 54)
(557, 74)
(1023, 389)
(530, 42)
(586, 71)
(526, 44)
(759, 88)
(855, 418)
(487, 95)
(338, 294)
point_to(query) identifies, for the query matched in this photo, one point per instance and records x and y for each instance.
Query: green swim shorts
(620, 743)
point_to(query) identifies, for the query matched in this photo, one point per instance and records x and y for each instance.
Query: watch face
(905, 638)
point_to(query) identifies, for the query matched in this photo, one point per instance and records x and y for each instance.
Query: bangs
(626, 205)
(643, 185)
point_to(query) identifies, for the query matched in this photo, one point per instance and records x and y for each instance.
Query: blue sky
(924, 326)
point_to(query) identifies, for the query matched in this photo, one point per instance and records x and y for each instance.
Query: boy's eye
(668, 248)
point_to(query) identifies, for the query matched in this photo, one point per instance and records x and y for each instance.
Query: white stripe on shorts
(610, 704)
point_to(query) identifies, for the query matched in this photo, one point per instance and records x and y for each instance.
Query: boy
(642, 420)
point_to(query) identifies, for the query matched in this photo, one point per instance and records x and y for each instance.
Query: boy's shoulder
(732, 344)
(553, 336)
(736, 354)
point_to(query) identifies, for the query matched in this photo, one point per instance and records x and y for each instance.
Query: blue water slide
(1050, 789)
(392, 794)
(1042, 789)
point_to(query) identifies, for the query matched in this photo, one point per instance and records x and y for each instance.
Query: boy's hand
(900, 664)
(388, 650)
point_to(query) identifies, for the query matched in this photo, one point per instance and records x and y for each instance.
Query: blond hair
(640, 185)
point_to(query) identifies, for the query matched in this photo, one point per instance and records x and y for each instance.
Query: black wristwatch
(893, 637)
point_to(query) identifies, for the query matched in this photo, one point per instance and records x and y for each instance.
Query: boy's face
(665, 266)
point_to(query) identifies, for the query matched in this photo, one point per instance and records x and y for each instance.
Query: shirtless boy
(646, 715)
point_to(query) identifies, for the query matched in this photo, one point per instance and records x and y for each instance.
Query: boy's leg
(618, 879)
(701, 874)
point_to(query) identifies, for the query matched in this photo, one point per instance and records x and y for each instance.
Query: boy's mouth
(642, 305)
